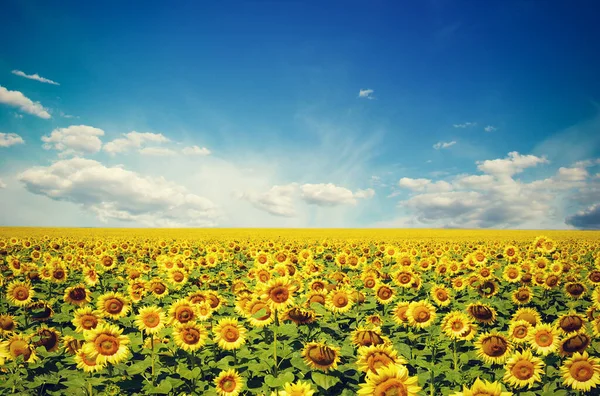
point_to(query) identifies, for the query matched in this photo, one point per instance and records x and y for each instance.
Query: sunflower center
(340, 300)
(576, 344)
(421, 314)
(6, 323)
(581, 371)
(191, 336)
(520, 332)
(543, 339)
(322, 355)
(389, 387)
(159, 288)
(523, 370)
(366, 338)
(377, 360)
(77, 294)
(151, 319)
(318, 299)
(279, 294)
(184, 314)
(21, 293)
(228, 384)
(48, 339)
(458, 325)
(114, 306)
(441, 295)
(494, 346)
(529, 317)
(106, 344)
(385, 293)
(89, 322)
(230, 333)
(571, 323)
(20, 348)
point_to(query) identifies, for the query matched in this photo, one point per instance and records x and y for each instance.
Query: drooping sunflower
(367, 337)
(229, 334)
(523, 369)
(190, 336)
(86, 319)
(300, 316)
(278, 293)
(299, 388)
(18, 345)
(390, 380)
(316, 297)
(339, 300)
(528, 314)
(48, 337)
(570, 323)
(493, 348)
(518, 331)
(482, 313)
(229, 383)
(72, 345)
(576, 290)
(7, 324)
(544, 339)
(107, 344)
(375, 357)
(420, 314)
(581, 372)
(77, 295)
(87, 363)
(320, 356)
(483, 388)
(150, 319)
(19, 293)
(574, 342)
(113, 305)
(399, 313)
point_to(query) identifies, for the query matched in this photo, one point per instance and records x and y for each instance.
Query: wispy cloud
(490, 128)
(443, 145)
(10, 139)
(35, 77)
(195, 150)
(366, 93)
(133, 140)
(63, 115)
(157, 151)
(23, 103)
(465, 125)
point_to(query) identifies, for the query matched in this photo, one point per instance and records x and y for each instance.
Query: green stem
(454, 355)
(90, 388)
(152, 359)
(275, 342)
(431, 382)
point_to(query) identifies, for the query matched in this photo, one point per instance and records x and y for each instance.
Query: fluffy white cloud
(424, 185)
(514, 163)
(278, 200)
(119, 194)
(2, 184)
(133, 140)
(331, 195)
(588, 218)
(443, 145)
(195, 150)
(366, 93)
(10, 139)
(73, 140)
(23, 103)
(465, 125)
(489, 128)
(157, 151)
(35, 76)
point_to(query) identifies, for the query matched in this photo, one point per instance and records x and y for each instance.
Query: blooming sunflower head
(390, 380)
(581, 372)
(320, 356)
(421, 314)
(544, 339)
(523, 369)
(113, 305)
(229, 334)
(107, 344)
(375, 357)
(190, 336)
(229, 383)
(493, 348)
(150, 319)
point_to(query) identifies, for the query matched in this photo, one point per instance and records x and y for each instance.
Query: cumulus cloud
(443, 145)
(464, 125)
(35, 76)
(489, 128)
(366, 93)
(331, 195)
(2, 184)
(23, 103)
(514, 163)
(195, 150)
(588, 219)
(157, 151)
(278, 200)
(114, 193)
(133, 140)
(10, 139)
(424, 185)
(74, 140)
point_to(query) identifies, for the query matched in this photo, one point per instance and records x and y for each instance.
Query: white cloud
(23, 103)
(157, 151)
(331, 195)
(63, 115)
(364, 194)
(278, 201)
(443, 145)
(75, 139)
(424, 185)
(366, 93)
(572, 174)
(133, 140)
(10, 139)
(588, 218)
(2, 184)
(514, 163)
(195, 150)
(465, 125)
(586, 163)
(113, 193)
(35, 76)
(489, 128)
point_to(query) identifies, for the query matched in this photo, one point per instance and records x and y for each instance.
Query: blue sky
(300, 114)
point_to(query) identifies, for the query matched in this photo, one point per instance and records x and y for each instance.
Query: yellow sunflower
(518, 331)
(278, 293)
(574, 342)
(18, 345)
(77, 295)
(483, 388)
(182, 311)
(229, 334)
(113, 305)
(7, 324)
(528, 314)
(420, 314)
(441, 295)
(384, 294)
(339, 301)
(299, 388)
(367, 337)
(190, 336)
(259, 314)
(493, 348)
(390, 380)
(456, 324)
(544, 339)
(150, 320)
(581, 372)
(87, 363)
(229, 383)
(375, 357)
(320, 356)
(86, 319)
(19, 293)
(482, 313)
(570, 323)
(523, 369)
(107, 344)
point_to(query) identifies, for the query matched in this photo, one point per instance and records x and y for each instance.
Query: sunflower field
(299, 312)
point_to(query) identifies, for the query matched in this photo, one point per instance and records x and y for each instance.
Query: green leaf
(323, 380)
(139, 367)
(163, 388)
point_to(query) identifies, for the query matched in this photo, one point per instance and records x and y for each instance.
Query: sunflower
(519, 330)
(158, 288)
(544, 339)
(190, 336)
(316, 297)
(339, 301)
(72, 345)
(374, 357)
(441, 295)
(512, 273)
(182, 311)
(581, 372)
(482, 313)
(420, 314)
(259, 314)
(86, 319)
(19, 293)
(574, 342)
(113, 305)
(77, 295)
(299, 388)
(493, 348)
(18, 345)
(7, 324)
(86, 363)
(390, 380)
(368, 337)
(150, 320)
(229, 334)
(523, 369)
(528, 314)
(229, 383)
(384, 294)
(278, 293)
(483, 388)
(571, 322)
(576, 290)
(48, 337)
(456, 324)
(300, 316)
(107, 344)
(320, 356)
